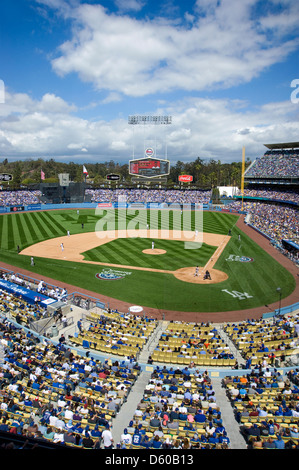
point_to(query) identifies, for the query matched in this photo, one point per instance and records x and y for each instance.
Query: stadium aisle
(122, 419)
(229, 421)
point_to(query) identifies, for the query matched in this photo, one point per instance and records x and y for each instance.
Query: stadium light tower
(280, 293)
(149, 120)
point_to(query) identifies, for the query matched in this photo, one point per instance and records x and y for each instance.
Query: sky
(73, 71)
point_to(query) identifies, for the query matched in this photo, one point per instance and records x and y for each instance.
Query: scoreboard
(149, 167)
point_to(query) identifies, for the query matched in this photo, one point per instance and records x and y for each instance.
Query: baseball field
(151, 265)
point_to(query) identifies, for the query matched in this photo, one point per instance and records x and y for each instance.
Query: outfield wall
(114, 205)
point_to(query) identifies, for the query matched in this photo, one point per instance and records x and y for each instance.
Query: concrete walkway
(122, 419)
(229, 422)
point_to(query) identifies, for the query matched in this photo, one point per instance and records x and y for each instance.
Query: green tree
(17, 176)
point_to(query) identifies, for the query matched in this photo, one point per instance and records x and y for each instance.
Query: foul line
(214, 258)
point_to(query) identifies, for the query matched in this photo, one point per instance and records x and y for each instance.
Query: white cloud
(112, 98)
(207, 128)
(226, 45)
(54, 104)
(129, 5)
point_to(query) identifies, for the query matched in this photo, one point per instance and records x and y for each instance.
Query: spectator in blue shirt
(200, 417)
(279, 443)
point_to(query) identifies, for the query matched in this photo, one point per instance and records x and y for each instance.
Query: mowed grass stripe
(5, 232)
(21, 231)
(16, 232)
(128, 252)
(10, 234)
(47, 224)
(4, 239)
(259, 278)
(125, 255)
(37, 236)
(166, 261)
(153, 261)
(110, 254)
(25, 232)
(118, 252)
(175, 253)
(53, 232)
(33, 233)
(216, 225)
(214, 222)
(2, 232)
(133, 248)
(48, 221)
(120, 255)
(105, 254)
(60, 228)
(38, 222)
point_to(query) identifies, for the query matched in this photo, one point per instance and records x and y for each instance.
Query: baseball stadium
(152, 318)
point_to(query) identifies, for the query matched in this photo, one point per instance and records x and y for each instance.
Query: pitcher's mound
(187, 275)
(155, 251)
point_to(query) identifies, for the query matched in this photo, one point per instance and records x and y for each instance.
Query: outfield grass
(26, 228)
(258, 279)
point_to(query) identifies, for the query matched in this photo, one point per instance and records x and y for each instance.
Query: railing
(85, 301)
(282, 311)
(58, 324)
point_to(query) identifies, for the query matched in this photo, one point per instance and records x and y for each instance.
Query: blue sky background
(73, 72)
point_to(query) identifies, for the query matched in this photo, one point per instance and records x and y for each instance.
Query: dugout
(290, 245)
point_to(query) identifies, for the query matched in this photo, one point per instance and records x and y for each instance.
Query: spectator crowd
(291, 196)
(276, 164)
(149, 196)
(276, 221)
(14, 198)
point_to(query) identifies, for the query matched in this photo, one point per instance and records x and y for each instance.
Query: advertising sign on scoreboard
(149, 167)
(113, 177)
(186, 178)
(149, 152)
(5, 177)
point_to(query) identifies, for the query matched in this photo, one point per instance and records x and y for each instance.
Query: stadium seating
(257, 339)
(186, 414)
(276, 163)
(51, 382)
(266, 405)
(187, 344)
(119, 334)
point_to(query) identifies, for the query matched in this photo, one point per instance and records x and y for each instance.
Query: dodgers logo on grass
(241, 259)
(246, 259)
(112, 275)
